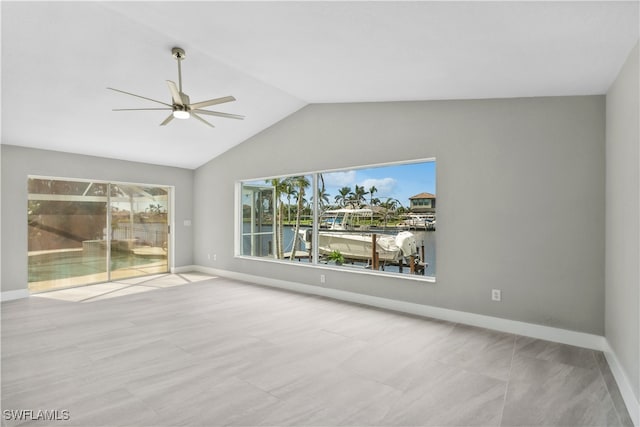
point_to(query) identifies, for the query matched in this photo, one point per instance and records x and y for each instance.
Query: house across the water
(423, 203)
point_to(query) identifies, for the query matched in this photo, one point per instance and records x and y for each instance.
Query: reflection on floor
(68, 282)
(122, 287)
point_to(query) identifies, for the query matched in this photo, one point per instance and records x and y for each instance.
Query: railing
(153, 234)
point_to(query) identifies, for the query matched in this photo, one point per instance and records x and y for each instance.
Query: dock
(299, 255)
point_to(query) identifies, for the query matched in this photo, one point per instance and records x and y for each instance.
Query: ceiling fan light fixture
(181, 114)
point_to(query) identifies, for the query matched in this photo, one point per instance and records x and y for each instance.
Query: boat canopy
(354, 212)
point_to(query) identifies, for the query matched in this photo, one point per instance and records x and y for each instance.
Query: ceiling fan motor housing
(185, 102)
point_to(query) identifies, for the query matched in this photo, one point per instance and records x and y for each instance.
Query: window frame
(314, 264)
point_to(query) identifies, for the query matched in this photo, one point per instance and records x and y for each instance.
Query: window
(275, 214)
(376, 218)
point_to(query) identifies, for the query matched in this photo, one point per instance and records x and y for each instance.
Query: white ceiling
(276, 57)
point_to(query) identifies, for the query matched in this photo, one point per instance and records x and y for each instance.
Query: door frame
(170, 217)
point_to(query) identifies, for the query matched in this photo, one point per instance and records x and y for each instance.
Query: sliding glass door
(83, 232)
(66, 223)
(139, 230)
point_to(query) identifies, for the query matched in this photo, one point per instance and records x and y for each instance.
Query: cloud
(340, 179)
(385, 186)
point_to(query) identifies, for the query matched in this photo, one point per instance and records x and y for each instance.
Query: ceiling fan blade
(175, 93)
(138, 96)
(201, 119)
(219, 114)
(167, 120)
(222, 100)
(140, 109)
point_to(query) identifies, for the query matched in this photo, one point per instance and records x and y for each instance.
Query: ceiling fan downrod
(179, 54)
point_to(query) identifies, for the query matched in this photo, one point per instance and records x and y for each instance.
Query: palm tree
(280, 186)
(323, 199)
(357, 196)
(155, 209)
(323, 196)
(288, 191)
(372, 190)
(389, 206)
(343, 196)
(301, 182)
(295, 193)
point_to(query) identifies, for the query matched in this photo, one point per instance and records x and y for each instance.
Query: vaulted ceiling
(58, 58)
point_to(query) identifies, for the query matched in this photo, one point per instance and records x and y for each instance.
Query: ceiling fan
(181, 107)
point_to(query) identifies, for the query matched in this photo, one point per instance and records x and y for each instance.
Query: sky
(397, 181)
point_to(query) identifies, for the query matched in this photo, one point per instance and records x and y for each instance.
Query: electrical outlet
(215, 257)
(496, 295)
(209, 256)
(322, 278)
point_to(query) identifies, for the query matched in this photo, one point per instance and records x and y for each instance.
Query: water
(265, 246)
(64, 265)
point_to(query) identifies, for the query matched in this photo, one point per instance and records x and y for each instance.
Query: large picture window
(375, 218)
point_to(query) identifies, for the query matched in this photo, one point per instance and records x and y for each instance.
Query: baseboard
(624, 385)
(12, 295)
(579, 339)
(185, 269)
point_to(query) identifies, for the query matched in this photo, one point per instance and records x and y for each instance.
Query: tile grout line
(124, 286)
(183, 278)
(606, 384)
(506, 389)
(148, 279)
(144, 283)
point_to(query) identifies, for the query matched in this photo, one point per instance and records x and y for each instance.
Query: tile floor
(195, 350)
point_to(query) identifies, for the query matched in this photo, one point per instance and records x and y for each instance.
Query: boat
(345, 230)
(418, 221)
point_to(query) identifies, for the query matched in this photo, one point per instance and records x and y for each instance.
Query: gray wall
(622, 322)
(520, 186)
(18, 163)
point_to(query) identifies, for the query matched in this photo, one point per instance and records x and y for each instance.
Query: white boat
(346, 231)
(425, 221)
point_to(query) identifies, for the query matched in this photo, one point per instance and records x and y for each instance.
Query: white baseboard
(579, 339)
(624, 385)
(185, 269)
(12, 295)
